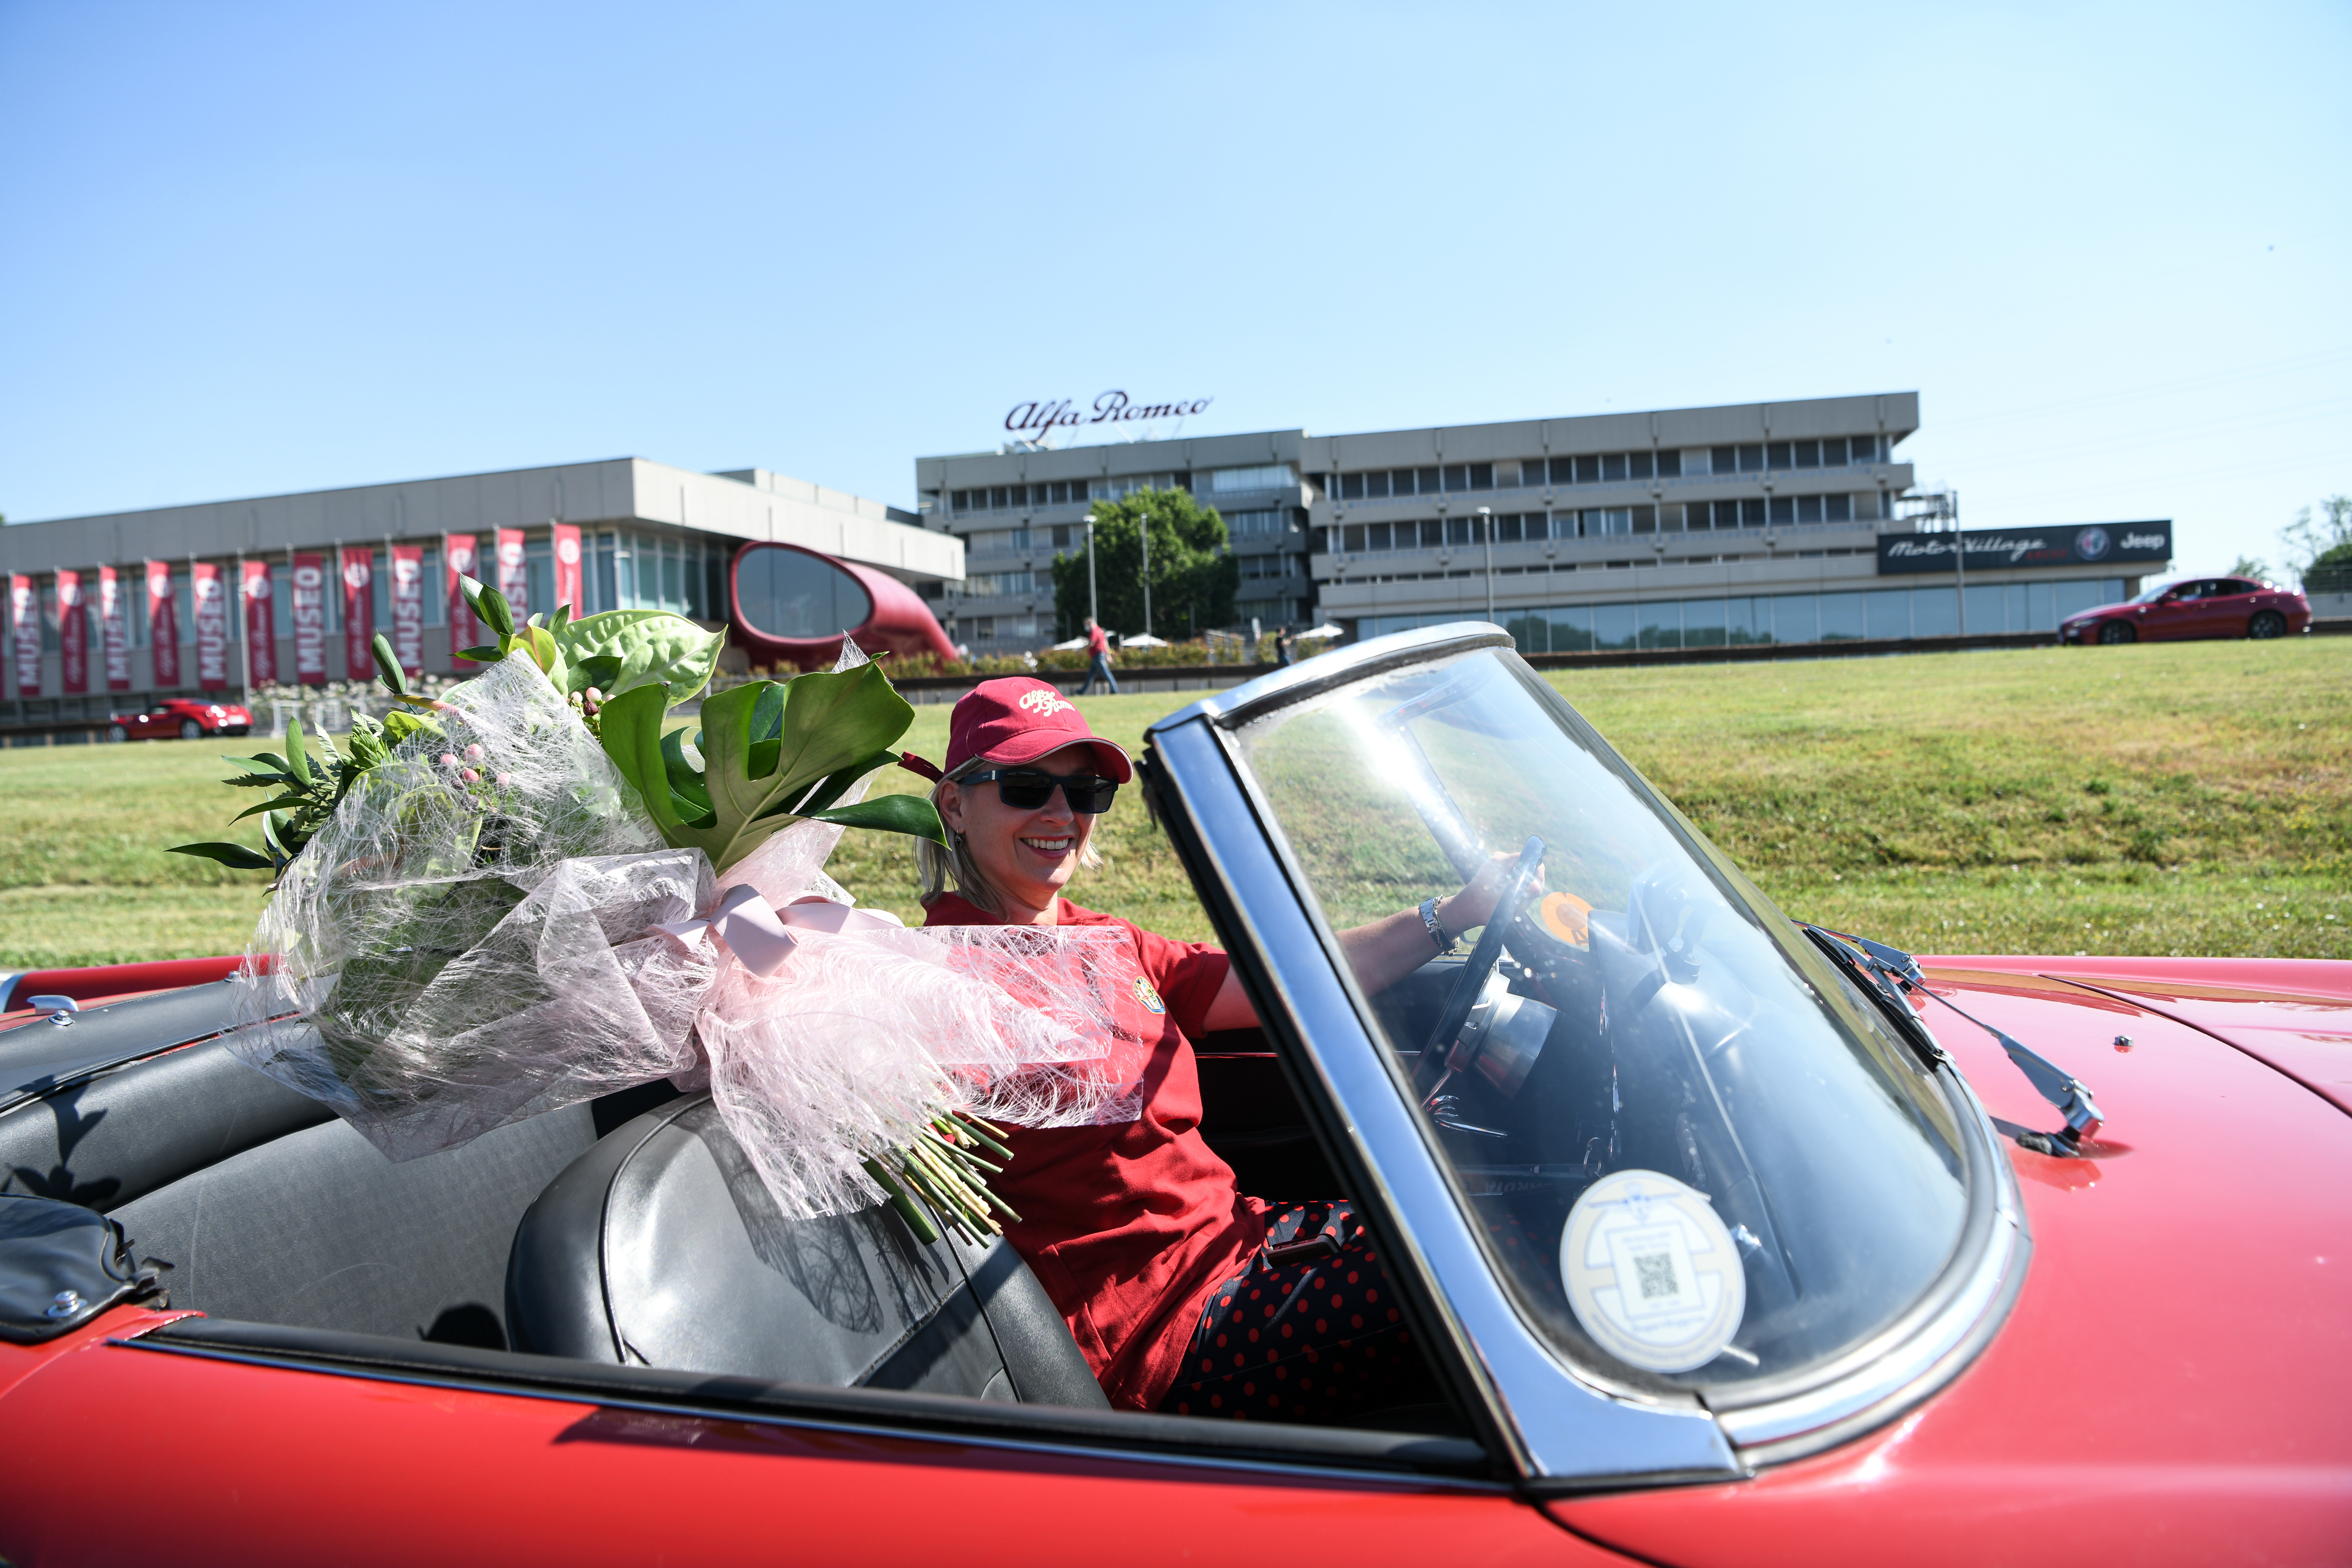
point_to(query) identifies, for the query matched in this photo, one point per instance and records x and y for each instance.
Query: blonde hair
(940, 870)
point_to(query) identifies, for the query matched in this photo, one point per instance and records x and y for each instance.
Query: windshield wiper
(2069, 1093)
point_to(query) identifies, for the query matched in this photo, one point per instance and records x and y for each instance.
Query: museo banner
(114, 629)
(73, 634)
(567, 570)
(408, 568)
(1999, 550)
(358, 611)
(308, 607)
(208, 597)
(514, 574)
(260, 623)
(162, 625)
(465, 631)
(25, 621)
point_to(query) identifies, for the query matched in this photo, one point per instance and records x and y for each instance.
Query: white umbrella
(1073, 644)
(1143, 640)
(1325, 630)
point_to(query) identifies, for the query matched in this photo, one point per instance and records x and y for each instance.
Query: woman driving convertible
(1184, 1294)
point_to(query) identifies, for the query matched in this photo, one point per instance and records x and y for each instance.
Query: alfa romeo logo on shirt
(1148, 997)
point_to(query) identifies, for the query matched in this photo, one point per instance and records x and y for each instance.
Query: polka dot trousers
(1310, 1331)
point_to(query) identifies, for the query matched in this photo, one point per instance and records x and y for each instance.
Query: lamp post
(1486, 522)
(1093, 614)
(1144, 524)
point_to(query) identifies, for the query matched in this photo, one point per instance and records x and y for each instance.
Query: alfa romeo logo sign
(2091, 544)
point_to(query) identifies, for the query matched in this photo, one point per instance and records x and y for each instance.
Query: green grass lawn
(2189, 799)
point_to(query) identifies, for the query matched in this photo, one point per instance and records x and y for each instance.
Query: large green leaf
(830, 730)
(237, 857)
(654, 647)
(630, 727)
(909, 814)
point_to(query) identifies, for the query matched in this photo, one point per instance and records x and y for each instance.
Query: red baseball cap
(1015, 720)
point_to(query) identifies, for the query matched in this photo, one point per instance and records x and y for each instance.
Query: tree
(1194, 577)
(2247, 566)
(2323, 541)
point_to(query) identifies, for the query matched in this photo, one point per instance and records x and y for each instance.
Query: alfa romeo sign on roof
(1993, 550)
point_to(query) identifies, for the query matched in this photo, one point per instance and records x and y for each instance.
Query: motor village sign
(1993, 550)
(1040, 419)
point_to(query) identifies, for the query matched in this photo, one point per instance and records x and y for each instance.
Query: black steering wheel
(1472, 981)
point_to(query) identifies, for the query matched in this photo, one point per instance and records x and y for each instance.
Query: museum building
(288, 590)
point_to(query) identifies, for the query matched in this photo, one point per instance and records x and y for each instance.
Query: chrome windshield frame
(1563, 1427)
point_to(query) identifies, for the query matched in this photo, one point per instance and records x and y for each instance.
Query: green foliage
(1193, 580)
(773, 754)
(615, 651)
(307, 792)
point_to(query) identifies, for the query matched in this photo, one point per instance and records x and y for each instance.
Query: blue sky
(262, 249)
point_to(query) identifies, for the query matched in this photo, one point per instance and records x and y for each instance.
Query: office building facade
(1755, 522)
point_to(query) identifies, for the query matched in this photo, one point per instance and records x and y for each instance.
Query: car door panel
(259, 1464)
(2169, 618)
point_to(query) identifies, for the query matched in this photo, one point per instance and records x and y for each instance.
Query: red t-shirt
(1129, 1227)
(1097, 642)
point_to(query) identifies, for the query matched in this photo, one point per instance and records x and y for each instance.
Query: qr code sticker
(1656, 1270)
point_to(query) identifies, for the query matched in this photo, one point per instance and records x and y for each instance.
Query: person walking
(1285, 648)
(1098, 659)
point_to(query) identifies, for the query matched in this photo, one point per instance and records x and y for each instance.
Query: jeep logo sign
(1990, 549)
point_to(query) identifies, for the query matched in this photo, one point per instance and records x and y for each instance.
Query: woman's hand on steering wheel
(1474, 904)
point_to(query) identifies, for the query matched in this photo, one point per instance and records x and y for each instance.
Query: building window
(1776, 455)
(1751, 457)
(1809, 508)
(1808, 453)
(1256, 524)
(1274, 477)
(1783, 508)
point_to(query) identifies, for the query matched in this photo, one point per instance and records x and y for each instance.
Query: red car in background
(2194, 607)
(182, 718)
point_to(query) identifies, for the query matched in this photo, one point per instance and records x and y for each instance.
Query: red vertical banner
(208, 595)
(358, 611)
(24, 621)
(465, 631)
(114, 629)
(407, 567)
(569, 587)
(307, 605)
(73, 634)
(514, 576)
(162, 625)
(260, 625)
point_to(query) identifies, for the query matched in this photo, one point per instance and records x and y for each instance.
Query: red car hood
(2173, 1384)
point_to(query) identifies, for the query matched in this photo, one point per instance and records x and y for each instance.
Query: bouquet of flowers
(531, 891)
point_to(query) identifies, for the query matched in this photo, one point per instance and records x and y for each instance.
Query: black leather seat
(659, 1246)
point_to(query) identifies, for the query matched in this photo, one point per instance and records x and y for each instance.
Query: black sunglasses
(1026, 789)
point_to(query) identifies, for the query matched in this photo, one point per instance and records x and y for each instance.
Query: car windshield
(2151, 595)
(1774, 1175)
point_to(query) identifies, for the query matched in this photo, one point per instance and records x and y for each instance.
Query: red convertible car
(1731, 1240)
(185, 718)
(2195, 607)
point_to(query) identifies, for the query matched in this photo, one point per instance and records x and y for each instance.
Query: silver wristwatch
(1436, 932)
